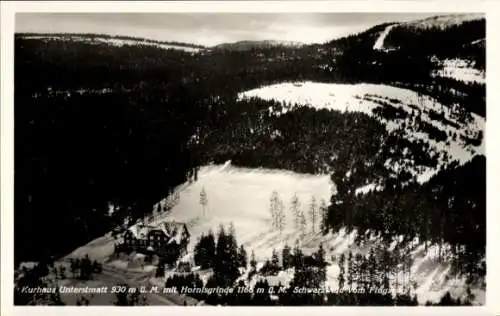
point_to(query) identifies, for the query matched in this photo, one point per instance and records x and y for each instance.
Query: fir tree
(210, 252)
(253, 262)
(226, 270)
(286, 257)
(298, 257)
(372, 269)
(323, 216)
(199, 254)
(242, 257)
(275, 261)
(302, 222)
(350, 269)
(341, 277)
(203, 200)
(319, 256)
(274, 209)
(313, 213)
(280, 216)
(295, 210)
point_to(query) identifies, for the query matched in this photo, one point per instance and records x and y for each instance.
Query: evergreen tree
(220, 253)
(274, 209)
(313, 213)
(298, 257)
(286, 257)
(253, 262)
(372, 269)
(341, 277)
(203, 200)
(242, 257)
(210, 251)
(280, 216)
(295, 210)
(302, 222)
(350, 269)
(225, 269)
(199, 254)
(319, 257)
(323, 216)
(275, 261)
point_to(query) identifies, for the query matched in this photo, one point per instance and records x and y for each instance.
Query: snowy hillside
(459, 35)
(115, 41)
(437, 22)
(241, 196)
(369, 97)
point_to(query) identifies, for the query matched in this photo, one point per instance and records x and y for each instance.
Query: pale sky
(211, 28)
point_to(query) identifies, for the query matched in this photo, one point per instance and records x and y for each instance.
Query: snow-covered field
(460, 69)
(113, 41)
(242, 196)
(367, 97)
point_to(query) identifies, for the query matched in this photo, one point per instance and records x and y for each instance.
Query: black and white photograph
(249, 159)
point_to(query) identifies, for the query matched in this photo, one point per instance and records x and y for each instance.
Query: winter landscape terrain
(355, 166)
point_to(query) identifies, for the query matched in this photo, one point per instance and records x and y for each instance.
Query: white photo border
(10, 8)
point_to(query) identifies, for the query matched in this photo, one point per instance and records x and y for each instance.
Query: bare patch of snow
(460, 69)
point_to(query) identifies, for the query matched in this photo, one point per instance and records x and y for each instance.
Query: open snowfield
(241, 196)
(461, 70)
(367, 97)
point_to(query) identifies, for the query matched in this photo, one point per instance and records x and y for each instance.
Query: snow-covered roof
(28, 265)
(139, 256)
(140, 231)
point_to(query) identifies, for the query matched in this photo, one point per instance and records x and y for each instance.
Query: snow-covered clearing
(367, 97)
(241, 196)
(460, 69)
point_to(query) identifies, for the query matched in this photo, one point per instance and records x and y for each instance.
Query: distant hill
(117, 40)
(444, 35)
